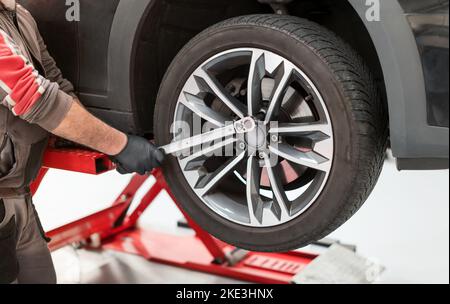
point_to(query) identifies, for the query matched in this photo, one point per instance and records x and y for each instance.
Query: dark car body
(118, 52)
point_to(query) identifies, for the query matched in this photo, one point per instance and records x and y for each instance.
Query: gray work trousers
(24, 254)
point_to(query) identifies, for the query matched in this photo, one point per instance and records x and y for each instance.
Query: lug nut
(261, 155)
(274, 138)
(242, 146)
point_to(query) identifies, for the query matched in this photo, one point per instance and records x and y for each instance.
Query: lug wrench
(241, 126)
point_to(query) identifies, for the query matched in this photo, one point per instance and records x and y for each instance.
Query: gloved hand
(138, 156)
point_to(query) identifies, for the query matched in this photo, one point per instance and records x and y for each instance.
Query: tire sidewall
(314, 221)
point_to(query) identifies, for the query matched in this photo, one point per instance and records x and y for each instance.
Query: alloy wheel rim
(254, 184)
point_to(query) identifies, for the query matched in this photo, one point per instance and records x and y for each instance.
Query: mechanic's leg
(9, 266)
(33, 255)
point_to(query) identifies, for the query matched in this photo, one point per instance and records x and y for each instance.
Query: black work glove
(138, 156)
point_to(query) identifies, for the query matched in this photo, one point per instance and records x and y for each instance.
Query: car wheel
(318, 147)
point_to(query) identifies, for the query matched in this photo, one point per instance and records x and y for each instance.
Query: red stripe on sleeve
(18, 76)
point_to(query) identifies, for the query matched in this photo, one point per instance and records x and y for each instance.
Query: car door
(60, 35)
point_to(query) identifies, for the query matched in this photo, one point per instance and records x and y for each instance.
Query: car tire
(357, 113)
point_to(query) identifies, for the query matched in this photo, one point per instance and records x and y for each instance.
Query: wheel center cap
(257, 138)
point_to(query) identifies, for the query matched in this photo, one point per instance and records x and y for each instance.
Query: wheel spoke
(302, 129)
(254, 201)
(210, 84)
(255, 77)
(196, 160)
(310, 159)
(208, 181)
(320, 133)
(198, 106)
(282, 81)
(280, 204)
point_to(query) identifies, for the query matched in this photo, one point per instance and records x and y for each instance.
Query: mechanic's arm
(81, 127)
(37, 100)
(132, 153)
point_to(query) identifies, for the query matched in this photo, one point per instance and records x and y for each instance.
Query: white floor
(404, 226)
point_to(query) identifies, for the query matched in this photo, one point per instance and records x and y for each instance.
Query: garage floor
(404, 226)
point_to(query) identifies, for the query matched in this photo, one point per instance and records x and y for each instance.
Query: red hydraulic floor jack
(115, 228)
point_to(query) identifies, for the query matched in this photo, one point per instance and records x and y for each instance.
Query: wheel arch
(121, 54)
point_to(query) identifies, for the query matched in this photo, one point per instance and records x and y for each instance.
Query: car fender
(121, 52)
(411, 135)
